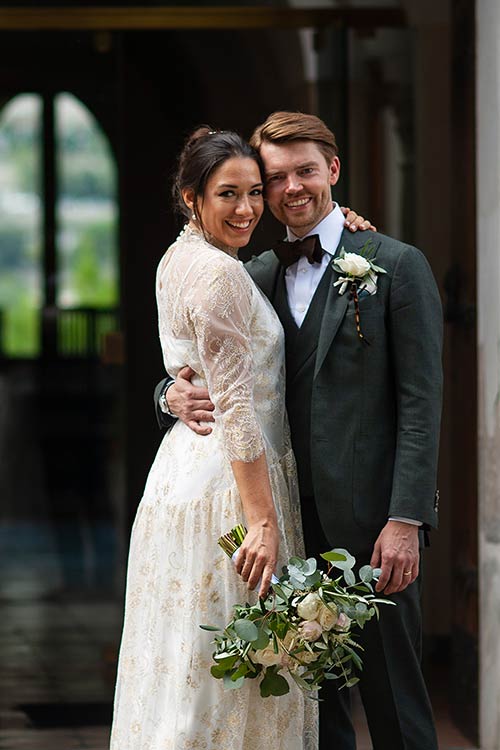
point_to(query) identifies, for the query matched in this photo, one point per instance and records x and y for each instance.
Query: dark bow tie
(290, 252)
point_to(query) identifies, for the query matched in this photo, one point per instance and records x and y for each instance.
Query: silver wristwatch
(163, 400)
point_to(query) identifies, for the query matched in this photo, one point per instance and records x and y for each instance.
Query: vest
(300, 349)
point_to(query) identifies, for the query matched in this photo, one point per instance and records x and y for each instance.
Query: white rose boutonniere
(353, 265)
(359, 272)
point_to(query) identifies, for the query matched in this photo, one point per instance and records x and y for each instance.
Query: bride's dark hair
(205, 150)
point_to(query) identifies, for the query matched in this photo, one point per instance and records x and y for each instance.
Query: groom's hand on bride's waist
(190, 403)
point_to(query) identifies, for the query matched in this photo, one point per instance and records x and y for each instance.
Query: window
(56, 297)
(20, 226)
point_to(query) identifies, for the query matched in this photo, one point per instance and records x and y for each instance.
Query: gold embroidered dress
(213, 318)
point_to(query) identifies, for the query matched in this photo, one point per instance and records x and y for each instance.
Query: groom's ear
(334, 170)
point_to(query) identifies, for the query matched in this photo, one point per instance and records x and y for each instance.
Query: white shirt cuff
(406, 520)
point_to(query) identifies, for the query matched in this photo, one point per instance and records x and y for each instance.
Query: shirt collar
(329, 229)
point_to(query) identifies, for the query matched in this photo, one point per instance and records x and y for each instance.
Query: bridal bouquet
(303, 629)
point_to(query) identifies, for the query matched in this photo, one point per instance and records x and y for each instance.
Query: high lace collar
(191, 231)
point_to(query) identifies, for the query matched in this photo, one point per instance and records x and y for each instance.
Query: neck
(232, 251)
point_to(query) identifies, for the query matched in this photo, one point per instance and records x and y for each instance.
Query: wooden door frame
(462, 293)
(66, 18)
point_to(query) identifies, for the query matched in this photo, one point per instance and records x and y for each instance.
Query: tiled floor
(60, 648)
(55, 653)
(64, 652)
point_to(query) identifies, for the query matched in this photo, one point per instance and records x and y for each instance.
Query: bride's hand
(258, 556)
(354, 221)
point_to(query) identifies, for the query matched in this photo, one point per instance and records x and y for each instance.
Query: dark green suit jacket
(375, 409)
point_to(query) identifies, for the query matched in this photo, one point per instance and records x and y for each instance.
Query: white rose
(309, 606)
(343, 622)
(310, 630)
(267, 657)
(353, 264)
(327, 616)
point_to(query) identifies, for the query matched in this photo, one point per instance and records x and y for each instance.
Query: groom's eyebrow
(293, 168)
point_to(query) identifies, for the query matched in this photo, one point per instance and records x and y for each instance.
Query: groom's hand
(190, 403)
(396, 551)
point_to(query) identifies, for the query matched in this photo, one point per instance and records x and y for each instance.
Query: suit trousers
(391, 685)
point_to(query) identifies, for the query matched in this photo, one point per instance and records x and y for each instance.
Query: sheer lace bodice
(213, 318)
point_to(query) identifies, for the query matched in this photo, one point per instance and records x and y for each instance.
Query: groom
(364, 403)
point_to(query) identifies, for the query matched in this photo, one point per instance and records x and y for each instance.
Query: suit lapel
(336, 304)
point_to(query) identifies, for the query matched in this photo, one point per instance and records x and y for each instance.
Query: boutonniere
(359, 273)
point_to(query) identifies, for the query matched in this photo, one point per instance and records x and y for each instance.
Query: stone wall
(488, 245)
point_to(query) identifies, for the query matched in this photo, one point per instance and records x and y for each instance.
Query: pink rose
(343, 622)
(310, 630)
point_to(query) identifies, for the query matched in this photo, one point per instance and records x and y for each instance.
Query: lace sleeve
(220, 312)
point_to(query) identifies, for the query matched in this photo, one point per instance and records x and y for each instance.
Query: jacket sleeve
(416, 340)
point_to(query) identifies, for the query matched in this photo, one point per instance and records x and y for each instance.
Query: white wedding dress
(213, 318)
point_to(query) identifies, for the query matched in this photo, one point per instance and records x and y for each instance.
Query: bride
(213, 318)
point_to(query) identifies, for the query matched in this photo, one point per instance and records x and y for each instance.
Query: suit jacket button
(436, 501)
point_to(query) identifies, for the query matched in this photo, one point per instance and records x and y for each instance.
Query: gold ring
(407, 573)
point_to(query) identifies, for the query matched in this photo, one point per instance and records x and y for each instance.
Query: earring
(194, 217)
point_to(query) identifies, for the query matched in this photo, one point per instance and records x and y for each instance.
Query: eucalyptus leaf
(242, 671)
(310, 566)
(366, 573)
(333, 556)
(273, 684)
(226, 661)
(218, 671)
(350, 683)
(296, 575)
(303, 684)
(211, 628)
(262, 641)
(230, 684)
(246, 630)
(349, 561)
(357, 661)
(349, 577)
(313, 579)
(280, 592)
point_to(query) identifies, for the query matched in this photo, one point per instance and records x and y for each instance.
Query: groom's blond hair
(283, 127)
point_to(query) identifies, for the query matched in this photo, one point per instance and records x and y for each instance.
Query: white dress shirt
(302, 278)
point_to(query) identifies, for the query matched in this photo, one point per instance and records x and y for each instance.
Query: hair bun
(200, 132)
